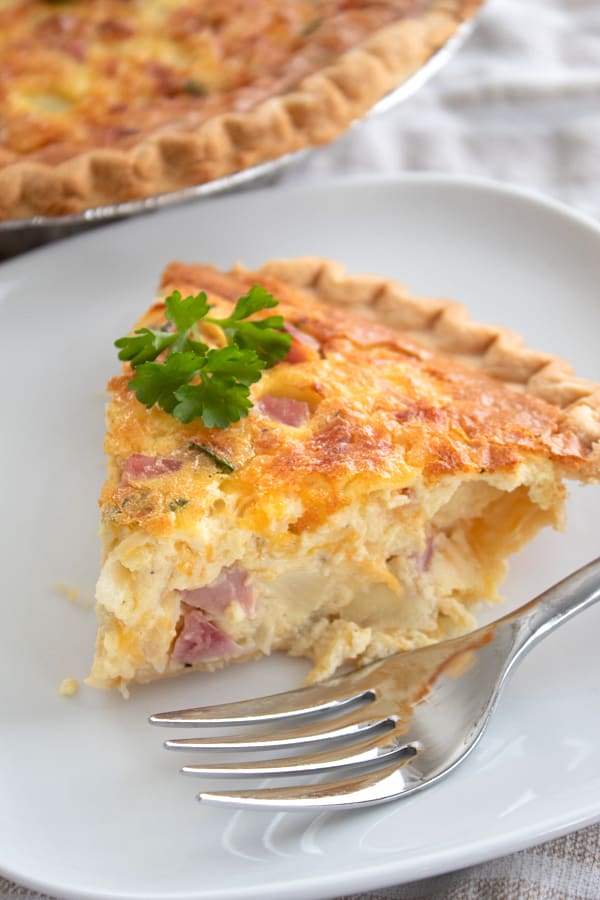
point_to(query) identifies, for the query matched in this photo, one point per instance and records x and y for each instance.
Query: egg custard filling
(365, 501)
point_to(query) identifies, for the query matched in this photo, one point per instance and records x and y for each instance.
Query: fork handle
(555, 606)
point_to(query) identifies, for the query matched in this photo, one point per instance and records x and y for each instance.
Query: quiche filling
(376, 578)
(365, 505)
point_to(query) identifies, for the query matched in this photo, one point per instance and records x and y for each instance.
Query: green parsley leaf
(194, 381)
(184, 312)
(230, 362)
(144, 345)
(256, 299)
(267, 337)
(157, 383)
(220, 462)
(195, 88)
(178, 503)
(218, 402)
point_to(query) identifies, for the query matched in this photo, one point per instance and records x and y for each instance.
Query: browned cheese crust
(384, 407)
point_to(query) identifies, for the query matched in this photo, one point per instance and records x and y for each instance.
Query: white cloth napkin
(520, 103)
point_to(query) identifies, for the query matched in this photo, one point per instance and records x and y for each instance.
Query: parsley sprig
(194, 381)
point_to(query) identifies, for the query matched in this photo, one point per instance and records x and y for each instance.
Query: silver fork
(389, 728)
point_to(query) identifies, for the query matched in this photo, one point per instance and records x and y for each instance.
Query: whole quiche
(104, 101)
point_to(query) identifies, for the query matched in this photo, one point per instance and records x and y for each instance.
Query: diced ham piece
(199, 639)
(139, 466)
(285, 409)
(298, 353)
(231, 584)
(423, 559)
(303, 345)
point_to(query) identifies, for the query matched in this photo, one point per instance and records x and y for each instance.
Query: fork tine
(361, 790)
(352, 724)
(374, 750)
(332, 695)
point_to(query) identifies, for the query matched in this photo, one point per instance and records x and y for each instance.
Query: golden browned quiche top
(357, 405)
(107, 100)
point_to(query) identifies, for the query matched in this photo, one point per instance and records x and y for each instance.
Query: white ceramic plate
(91, 806)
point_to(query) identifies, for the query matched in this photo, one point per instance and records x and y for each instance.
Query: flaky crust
(444, 326)
(321, 107)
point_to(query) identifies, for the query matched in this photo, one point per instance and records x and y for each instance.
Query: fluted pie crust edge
(444, 326)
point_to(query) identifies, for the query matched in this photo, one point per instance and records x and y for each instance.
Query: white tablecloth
(520, 103)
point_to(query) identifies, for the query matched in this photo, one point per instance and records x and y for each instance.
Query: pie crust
(319, 108)
(445, 326)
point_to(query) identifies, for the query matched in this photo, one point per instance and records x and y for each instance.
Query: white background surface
(520, 104)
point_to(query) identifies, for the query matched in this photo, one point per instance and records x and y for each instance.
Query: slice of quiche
(388, 466)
